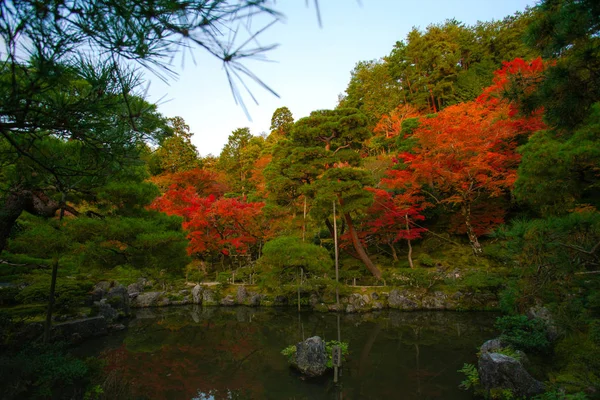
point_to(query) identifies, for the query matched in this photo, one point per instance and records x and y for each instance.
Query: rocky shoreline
(112, 299)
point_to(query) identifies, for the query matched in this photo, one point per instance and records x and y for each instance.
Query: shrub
(40, 371)
(290, 351)
(471, 377)
(426, 260)
(523, 333)
(68, 293)
(418, 277)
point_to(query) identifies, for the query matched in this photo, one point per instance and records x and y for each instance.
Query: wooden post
(48, 323)
(337, 274)
(299, 282)
(336, 359)
(304, 221)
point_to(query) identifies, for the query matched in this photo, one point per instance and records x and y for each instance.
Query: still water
(192, 352)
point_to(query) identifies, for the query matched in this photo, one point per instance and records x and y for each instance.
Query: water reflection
(234, 353)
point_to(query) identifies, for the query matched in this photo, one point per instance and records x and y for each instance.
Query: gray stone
(377, 305)
(118, 298)
(80, 329)
(103, 285)
(356, 302)
(228, 301)
(208, 297)
(374, 296)
(311, 358)
(492, 346)
(499, 371)
(163, 302)
(241, 294)
(116, 327)
(133, 288)
(437, 301)
(280, 300)
(197, 294)
(254, 299)
(149, 299)
(350, 308)
(398, 300)
(105, 310)
(184, 292)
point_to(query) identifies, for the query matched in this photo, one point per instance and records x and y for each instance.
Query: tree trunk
(393, 249)
(331, 231)
(466, 211)
(410, 261)
(13, 207)
(34, 202)
(304, 221)
(48, 322)
(360, 249)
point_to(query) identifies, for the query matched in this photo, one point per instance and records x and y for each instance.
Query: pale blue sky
(311, 65)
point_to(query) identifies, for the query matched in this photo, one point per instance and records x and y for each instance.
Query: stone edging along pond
(113, 299)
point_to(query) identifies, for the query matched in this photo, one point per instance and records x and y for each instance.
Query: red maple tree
(467, 152)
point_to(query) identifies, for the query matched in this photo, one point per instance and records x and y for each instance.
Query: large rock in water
(401, 301)
(197, 294)
(311, 358)
(118, 298)
(499, 371)
(149, 299)
(241, 294)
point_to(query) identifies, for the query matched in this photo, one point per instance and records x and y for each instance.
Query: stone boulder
(197, 294)
(436, 301)
(311, 357)
(241, 294)
(401, 301)
(148, 299)
(492, 346)
(499, 371)
(228, 301)
(357, 302)
(208, 297)
(254, 299)
(106, 310)
(137, 287)
(118, 298)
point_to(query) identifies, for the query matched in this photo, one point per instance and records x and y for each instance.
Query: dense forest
(464, 161)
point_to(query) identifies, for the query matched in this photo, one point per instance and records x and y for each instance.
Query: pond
(192, 352)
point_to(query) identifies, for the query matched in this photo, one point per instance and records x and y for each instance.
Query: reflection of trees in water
(187, 352)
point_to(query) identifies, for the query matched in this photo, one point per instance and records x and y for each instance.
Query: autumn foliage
(215, 225)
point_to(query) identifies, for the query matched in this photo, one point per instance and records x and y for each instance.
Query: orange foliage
(204, 182)
(467, 151)
(257, 178)
(391, 125)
